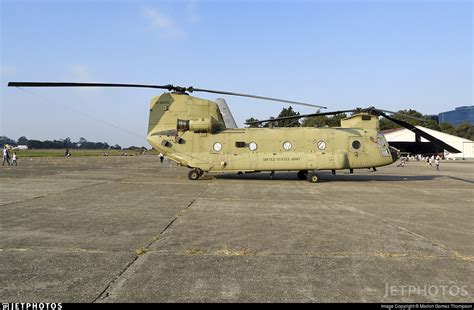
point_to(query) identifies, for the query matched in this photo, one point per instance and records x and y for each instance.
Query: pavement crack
(178, 215)
(120, 279)
(104, 293)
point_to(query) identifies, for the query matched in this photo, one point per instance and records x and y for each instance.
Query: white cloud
(165, 24)
(81, 73)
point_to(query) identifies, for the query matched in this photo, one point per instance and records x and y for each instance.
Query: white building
(466, 146)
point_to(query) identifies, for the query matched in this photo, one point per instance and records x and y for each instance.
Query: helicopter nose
(395, 153)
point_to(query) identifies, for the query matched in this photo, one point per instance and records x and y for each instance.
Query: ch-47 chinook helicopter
(194, 133)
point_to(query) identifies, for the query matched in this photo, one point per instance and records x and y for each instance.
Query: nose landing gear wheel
(313, 178)
(194, 175)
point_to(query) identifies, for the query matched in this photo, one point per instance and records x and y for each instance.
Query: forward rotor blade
(167, 87)
(298, 116)
(68, 84)
(191, 89)
(423, 134)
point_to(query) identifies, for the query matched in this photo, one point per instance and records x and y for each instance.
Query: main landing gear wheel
(313, 178)
(302, 174)
(194, 174)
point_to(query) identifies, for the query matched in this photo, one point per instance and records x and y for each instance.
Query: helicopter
(201, 134)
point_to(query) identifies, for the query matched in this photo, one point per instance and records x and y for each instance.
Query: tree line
(65, 143)
(464, 130)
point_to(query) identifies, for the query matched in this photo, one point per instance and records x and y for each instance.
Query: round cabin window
(321, 145)
(356, 144)
(287, 146)
(217, 147)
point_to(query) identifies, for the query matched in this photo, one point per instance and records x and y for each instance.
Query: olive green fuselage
(214, 148)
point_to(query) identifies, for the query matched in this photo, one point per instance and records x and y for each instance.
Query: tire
(313, 178)
(302, 174)
(193, 175)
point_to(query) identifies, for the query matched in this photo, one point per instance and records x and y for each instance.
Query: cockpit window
(381, 141)
(383, 145)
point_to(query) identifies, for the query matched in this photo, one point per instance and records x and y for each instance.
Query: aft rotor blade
(191, 89)
(423, 134)
(298, 116)
(68, 84)
(403, 115)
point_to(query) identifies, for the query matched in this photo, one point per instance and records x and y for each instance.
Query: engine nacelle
(199, 125)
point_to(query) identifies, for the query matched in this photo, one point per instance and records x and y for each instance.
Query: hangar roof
(405, 135)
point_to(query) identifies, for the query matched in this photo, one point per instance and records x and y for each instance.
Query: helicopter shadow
(328, 177)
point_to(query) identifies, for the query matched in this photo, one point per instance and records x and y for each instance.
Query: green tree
(253, 125)
(288, 122)
(323, 120)
(465, 130)
(22, 140)
(314, 121)
(447, 128)
(426, 120)
(5, 140)
(67, 143)
(386, 124)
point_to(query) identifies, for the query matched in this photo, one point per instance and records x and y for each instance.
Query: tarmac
(129, 229)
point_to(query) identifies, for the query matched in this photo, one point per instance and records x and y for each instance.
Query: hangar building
(402, 137)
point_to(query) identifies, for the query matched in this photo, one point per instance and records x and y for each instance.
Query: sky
(341, 54)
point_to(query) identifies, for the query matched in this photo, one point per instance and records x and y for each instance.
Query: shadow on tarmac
(327, 177)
